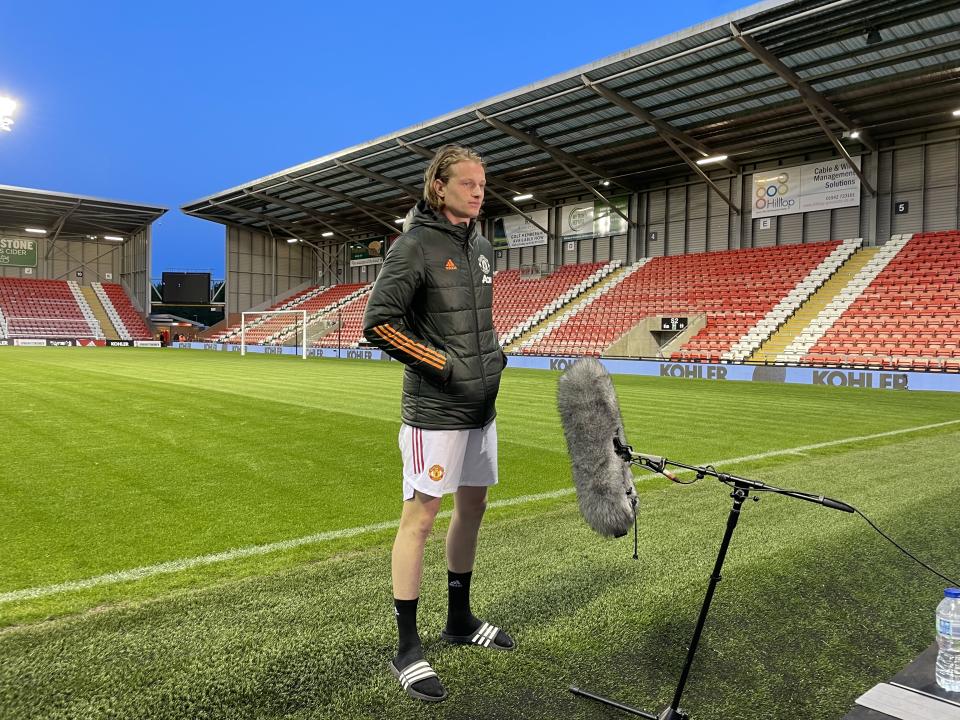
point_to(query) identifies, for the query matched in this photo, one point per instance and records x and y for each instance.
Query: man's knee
(471, 504)
(420, 514)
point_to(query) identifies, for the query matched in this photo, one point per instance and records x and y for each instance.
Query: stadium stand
(46, 309)
(349, 317)
(734, 289)
(903, 312)
(232, 333)
(519, 303)
(320, 306)
(788, 306)
(316, 300)
(124, 316)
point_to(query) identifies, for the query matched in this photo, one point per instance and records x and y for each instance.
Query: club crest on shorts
(484, 264)
(436, 473)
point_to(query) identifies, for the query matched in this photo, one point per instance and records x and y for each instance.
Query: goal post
(263, 326)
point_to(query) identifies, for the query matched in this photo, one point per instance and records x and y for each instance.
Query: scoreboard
(186, 288)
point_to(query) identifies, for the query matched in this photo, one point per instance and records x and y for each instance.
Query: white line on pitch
(250, 551)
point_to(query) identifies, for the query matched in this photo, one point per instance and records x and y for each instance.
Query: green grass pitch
(126, 466)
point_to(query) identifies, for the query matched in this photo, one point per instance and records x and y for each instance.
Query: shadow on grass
(800, 626)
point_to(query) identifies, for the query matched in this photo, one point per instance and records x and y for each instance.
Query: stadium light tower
(7, 106)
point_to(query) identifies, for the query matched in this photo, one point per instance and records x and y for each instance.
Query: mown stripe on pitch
(173, 566)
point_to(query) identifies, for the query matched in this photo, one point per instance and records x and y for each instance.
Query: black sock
(409, 649)
(406, 612)
(460, 621)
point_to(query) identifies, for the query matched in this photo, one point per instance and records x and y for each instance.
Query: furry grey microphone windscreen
(591, 419)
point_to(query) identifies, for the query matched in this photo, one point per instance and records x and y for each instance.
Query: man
(431, 308)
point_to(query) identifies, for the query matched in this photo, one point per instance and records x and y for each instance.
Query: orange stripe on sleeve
(423, 348)
(401, 342)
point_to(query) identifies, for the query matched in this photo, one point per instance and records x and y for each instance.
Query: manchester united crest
(436, 473)
(484, 264)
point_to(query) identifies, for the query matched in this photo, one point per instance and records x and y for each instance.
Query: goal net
(274, 328)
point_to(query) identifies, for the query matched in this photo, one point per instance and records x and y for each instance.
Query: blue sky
(167, 102)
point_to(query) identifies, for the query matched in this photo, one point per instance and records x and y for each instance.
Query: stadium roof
(63, 215)
(774, 78)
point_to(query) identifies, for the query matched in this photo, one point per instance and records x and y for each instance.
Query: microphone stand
(741, 490)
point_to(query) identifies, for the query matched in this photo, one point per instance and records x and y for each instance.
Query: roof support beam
(60, 223)
(402, 187)
(841, 149)
(562, 158)
(557, 154)
(289, 227)
(699, 171)
(324, 260)
(360, 205)
(312, 214)
(663, 129)
(519, 212)
(596, 193)
(84, 264)
(807, 93)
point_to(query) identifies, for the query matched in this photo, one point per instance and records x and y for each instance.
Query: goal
(266, 326)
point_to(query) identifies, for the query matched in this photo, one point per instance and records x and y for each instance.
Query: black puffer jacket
(432, 308)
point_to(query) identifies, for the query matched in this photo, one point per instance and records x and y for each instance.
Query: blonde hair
(439, 169)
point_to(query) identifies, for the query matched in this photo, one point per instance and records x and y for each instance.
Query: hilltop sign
(817, 186)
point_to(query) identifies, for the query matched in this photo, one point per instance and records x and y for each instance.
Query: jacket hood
(422, 214)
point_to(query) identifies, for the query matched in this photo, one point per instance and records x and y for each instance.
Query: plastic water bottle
(948, 638)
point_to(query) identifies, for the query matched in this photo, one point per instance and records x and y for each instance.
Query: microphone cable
(906, 552)
(727, 481)
(869, 522)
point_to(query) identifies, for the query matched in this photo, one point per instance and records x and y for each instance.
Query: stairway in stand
(109, 331)
(591, 292)
(778, 342)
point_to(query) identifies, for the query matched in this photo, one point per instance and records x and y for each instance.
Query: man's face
(463, 195)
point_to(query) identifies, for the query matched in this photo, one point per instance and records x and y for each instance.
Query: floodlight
(328, 233)
(956, 113)
(712, 159)
(292, 240)
(398, 221)
(113, 238)
(7, 106)
(36, 231)
(525, 196)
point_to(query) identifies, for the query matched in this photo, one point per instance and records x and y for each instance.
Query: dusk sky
(167, 102)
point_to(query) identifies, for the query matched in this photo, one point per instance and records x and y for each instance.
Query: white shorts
(437, 462)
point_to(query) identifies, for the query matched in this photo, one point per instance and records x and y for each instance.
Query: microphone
(593, 428)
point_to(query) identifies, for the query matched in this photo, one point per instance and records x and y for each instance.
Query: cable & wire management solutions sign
(805, 188)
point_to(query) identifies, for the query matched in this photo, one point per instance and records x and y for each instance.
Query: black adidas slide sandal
(485, 636)
(413, 673)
